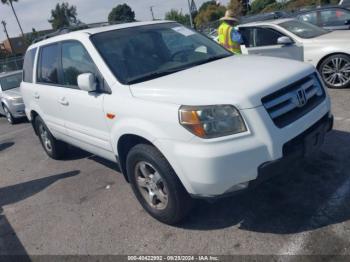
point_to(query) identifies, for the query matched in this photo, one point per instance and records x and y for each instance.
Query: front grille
(294, 101)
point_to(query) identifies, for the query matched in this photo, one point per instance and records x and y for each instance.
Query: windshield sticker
(183, 30)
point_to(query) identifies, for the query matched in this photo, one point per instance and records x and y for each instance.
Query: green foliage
(258, 5)
(121, 13)
(175, 15)
(210, 11)
(63, 15)
(237, 8)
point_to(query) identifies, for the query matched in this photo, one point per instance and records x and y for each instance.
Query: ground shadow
(74, 153)
(5, 145)
(312, 194)
(9, 242)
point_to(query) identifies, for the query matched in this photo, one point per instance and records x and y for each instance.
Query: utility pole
(7, 35)
(151, 9)
(189, 9)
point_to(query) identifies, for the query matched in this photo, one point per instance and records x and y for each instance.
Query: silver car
(10, 96)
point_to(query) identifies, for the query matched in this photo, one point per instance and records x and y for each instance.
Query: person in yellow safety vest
(229, 37)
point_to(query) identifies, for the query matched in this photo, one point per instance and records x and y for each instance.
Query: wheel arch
(33, 115)
(328, 55)
(125, 143)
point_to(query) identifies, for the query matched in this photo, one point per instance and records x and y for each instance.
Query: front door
(84, 116)
(263, 41)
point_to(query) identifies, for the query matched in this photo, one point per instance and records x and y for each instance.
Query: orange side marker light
(110, 116)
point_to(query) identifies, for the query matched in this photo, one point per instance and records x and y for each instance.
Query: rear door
(263, 41)
(49, 91)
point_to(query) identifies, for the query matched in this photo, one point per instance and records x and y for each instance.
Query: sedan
(328, 51)
(12, 106)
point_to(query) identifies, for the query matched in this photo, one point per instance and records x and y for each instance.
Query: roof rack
(66, 30)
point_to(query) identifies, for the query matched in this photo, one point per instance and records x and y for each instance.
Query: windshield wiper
(153, 75)
(157, 74)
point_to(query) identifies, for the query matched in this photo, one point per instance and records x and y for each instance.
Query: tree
(209, 12)
(258, 5)
(238, 7)
(10, 2)
(63, 16)
(121, 13)
(175, 15)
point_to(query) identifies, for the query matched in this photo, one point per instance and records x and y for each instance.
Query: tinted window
(146, 52)
(266, 37)
(10, 82)
(334, 17)
(309, 17)
(48, 70)
(75, 61)
(28, 65)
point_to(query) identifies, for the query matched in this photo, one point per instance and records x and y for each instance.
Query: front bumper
(219, 167)
(17, 110)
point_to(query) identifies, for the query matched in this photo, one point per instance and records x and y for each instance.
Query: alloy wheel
(44, 136)
(151, 185)
(337, 72)
(8, 115)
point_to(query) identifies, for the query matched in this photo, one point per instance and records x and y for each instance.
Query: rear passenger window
(75, 61)
(49, 61)
(28, 65)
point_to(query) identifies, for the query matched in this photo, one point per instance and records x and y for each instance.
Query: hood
(15, 92)
(238, 80)
(335, 37)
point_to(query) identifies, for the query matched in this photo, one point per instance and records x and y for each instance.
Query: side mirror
(87, 82)
(284, 40)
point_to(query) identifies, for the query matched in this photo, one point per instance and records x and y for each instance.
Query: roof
(95, 30)
(266, 22)
(315, 8)
(10, 73)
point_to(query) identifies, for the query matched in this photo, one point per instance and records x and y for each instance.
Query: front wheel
(156, 185)
(53, 147)
(335, 71)
(9, 116)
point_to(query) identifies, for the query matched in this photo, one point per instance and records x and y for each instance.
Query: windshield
(11, 82)
(303, 29)
(142, 53)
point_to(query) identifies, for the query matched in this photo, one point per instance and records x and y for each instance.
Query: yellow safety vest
(224, 32)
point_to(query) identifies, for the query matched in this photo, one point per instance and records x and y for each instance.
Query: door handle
(36, 96)
(63, 101)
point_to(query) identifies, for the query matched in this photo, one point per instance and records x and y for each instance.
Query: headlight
(16, 99)
(211, 121)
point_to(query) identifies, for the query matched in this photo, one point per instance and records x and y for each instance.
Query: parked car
(328, 17)
(328, 51)
(184, 119)
(12, 105)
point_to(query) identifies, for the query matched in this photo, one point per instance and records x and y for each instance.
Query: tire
(335, 71)
(54, 148)
(170, 202)
(9, 116)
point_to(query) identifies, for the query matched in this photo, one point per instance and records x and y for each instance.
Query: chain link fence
(8, 64)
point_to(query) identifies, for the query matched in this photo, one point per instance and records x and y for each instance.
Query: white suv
(181, 115)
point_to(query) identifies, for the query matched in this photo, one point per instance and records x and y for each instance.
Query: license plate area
(314, 140)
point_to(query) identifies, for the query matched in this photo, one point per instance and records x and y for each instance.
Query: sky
(35, 13)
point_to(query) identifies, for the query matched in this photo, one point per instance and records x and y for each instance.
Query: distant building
(15, 45)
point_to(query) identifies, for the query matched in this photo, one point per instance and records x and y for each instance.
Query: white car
(328, 51)
(181, 115)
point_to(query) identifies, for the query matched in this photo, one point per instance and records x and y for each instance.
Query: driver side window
(266, 37)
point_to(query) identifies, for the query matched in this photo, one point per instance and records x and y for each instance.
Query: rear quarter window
(28, 65)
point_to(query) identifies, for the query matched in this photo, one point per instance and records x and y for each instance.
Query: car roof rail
(68, 29)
